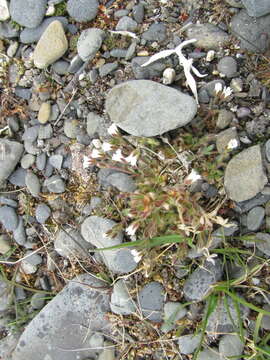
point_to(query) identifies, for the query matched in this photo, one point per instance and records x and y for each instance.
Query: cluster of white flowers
(224, 92)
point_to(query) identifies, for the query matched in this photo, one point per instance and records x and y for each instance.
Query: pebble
(45, 132)
(208, 36)
(209, 354)
(4, 244)
(32, 183)
(151, 301)
(41, 161)
(243, 112)
(89, 43)
(51, 46)
(267, 150)
(151, 71)
(257, 8)
(29, 264)
(108, 353)
(69, 243)
(227, 66)
(263, 243)
(156, 32)
(43, 212)
(122, 182)
(237, 84)
(224, 138)
(138, 13)
(38, 301)
(60, 67)
(7, 201)
(120, 13)
(231, 345)
(5, 296)
(93, 123)
(256, 31)
(255, 218)
(118, 53)
(27, 161)
(265, 324)
(13, 47)
(188, 343)
(235, 3)
(146, 108)
(19, 233)
(29, 36)
(82, 10)
(28, 13)
(224, 119)
(107, 69)
(7, 31)
(121, 301)
(218, 236)
(44, 113)
(71, 128)
(200, 281)
(56, 161)
(244, 175)
(8, 218)
(10, 154)
(4, 11)
(75, 64)
(23, 92)
(126, 24)
(173, 311)
(55, 184)
(31, 133)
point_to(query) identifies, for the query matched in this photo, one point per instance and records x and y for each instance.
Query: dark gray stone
(29, 36)
(28, 13)
(146, 108)
(138, 13)
(18, 177)
(82, 10)
(156, 32)
(199, 283)
(43, 212)
(151, 301)
(227, 66)
(75, 64)
(8, 218)
(38, 301)
(107, 69)
(55, 184)
(255, 218)
(121, 301)
(10, 154)
(122, 182)
(63, 326)
(148, 72)
(60, 67)
(118, 53)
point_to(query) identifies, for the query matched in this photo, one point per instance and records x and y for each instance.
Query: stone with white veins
(10, 154)
(244, 175)
(51, 46)
(89, 43)
(4, 12)
(65, 325)
(146, 108)
(28, 13)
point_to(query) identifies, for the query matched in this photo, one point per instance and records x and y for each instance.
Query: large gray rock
(200, 281)
(82, 10)
(94, 229)
(208, 36)
(146, 108)
(257, 8)
(244, 176)
(10, 154)
(67, 323)
(28, 36)
(28, 13)
(253, 33)
(89, 43)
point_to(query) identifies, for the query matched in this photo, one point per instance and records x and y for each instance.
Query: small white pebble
(210, 55)
(50, 11)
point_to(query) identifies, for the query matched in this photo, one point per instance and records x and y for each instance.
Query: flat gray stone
(89, 43)
(255, 218)
(10, 154)
(55, 184)
(148, 72)
(209, 354)
(107, 69)
(32, 183)
(27, 161)
(38, 301)
(253, 33)
(71, 128)
(28, 13)
(208, 36)
(43, 212)
(8, 218)
(156, 32)
(227, 66)
(56, 161)
(146, 108)
(263, 243)
(94, 229)
(138, 13)
(82, 10)
(173, 311)
(70, 243)
(19, 233)
(5, 296)
(244, 175)
(199, 283)
(231, 345)
(122, 182)
(41, 161)
(224, 138)
(67, 323)
(121, 301)
(257, 8)
(151, 301)
(126, 23)
(93, 124)
(29, 36)
(188, 343)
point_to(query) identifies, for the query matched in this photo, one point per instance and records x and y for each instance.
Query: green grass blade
(257, 328)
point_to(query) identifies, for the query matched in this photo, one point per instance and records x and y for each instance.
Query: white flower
(86, 162)
(131, 229)
(95, 154)
(232, 144)
(96, 143)
(136, 255)
(193, 176)
(218, 87)
(227, 91)
(209, 257)
(113, 130)
(132, 159)
(118, 156)
(106, 146)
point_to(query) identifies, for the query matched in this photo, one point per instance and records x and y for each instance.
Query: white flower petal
(160, 55)
(95, 154)
(96, 143)
(132, 159)
(106, 147)
(113, 130)
(118, 156)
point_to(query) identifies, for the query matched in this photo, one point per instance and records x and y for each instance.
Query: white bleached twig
(124, 33)
(183, 61)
